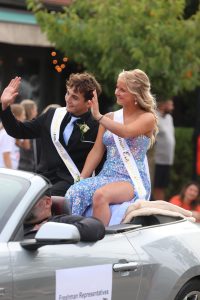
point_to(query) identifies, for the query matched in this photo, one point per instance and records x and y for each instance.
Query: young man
(66, 134)
(90, 229)
(164, 148)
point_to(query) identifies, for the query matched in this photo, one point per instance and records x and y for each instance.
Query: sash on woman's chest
(129, 160)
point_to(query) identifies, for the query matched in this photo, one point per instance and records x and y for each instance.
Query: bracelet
(100, 118)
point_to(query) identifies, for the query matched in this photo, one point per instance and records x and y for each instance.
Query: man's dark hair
(84, 83)
(47, 192)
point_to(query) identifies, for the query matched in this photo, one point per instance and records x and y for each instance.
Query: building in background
(26, 52)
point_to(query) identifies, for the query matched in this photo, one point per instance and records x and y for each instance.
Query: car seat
(60, 206)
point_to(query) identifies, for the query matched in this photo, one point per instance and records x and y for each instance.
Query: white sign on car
(93, 282)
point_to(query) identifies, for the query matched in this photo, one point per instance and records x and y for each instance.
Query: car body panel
(34, 271)
(168, 260)
(6, 278)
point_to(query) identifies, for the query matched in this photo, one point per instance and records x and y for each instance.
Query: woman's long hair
(139, 85)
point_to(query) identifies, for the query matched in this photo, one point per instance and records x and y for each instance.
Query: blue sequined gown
(80, 194)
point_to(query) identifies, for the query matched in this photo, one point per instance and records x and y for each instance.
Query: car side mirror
(52, 233)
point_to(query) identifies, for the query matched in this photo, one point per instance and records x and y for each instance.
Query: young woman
(126, 135)
(189, 199)
(28, 155)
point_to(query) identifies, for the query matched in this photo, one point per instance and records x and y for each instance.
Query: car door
(5, 273)
(34, 272)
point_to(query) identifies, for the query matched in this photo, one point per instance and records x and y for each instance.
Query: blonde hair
(17, 110)
(139, 85)
(52, 105)
(28, 105)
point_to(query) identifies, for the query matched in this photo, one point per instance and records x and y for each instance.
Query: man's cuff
(0, 107)
(5, 110)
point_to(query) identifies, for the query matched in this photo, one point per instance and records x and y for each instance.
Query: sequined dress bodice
(114, 165)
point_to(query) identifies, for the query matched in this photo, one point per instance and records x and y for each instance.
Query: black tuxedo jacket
(50, 163)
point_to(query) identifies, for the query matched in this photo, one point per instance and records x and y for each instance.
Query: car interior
(59, 206)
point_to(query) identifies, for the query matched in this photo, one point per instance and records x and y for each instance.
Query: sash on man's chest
(58, 117)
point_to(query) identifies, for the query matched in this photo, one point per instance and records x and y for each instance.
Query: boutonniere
(78, 178)
(83, 129)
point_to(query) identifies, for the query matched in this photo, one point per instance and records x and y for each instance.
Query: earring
(135, 102)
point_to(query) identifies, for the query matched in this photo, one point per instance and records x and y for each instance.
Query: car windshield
(12, 189)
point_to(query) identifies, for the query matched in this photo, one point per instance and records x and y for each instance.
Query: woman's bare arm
(95, 155)
(142, 125)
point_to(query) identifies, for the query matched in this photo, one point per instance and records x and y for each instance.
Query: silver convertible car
(152, 258)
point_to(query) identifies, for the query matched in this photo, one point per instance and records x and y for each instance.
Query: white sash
(55, 133)
(129, 160)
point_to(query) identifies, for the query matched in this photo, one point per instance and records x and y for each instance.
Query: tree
(109, 36)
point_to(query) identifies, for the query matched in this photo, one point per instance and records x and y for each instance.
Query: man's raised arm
(10, 92)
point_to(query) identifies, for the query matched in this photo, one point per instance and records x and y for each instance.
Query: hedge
(183, 168)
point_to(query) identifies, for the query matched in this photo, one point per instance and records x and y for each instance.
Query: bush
(183, 168)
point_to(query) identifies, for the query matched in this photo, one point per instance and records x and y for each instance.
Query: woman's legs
(112, 193)
(79, 196)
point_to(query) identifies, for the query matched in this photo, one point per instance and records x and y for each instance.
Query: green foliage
(182, 170)
(108, 36)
